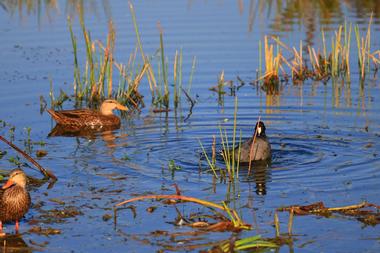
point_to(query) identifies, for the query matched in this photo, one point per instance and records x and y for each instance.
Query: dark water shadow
(14, 243)
(73, 131)
(105, 133)
(260, 174)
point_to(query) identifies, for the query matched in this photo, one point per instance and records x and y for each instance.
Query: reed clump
(332, 61)
(272, 63)
(95, 82)
(102, 77)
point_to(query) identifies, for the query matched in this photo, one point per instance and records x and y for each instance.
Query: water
(325, 137)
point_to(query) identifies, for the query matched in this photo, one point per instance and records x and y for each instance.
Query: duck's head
(109, 105)
(17, 177)
(260, 128)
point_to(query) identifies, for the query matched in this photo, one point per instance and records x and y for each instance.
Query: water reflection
(50, 8)
(286, 16)
(260, 175)
(105, 132)
(13, 244)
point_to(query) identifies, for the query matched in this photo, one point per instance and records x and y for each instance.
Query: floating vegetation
(47, 173)
(230, 221)
(365, 212)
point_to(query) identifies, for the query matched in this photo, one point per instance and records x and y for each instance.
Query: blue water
(325, 137)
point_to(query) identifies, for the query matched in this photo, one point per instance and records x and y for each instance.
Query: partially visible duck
(14, 199)
(261, 149)
(90, 118)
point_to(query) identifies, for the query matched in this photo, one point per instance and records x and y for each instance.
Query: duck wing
(74, 117)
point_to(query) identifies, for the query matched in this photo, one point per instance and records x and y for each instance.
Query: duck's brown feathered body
(14, 198)
(88, 118)
(84, 118)
(14, 203)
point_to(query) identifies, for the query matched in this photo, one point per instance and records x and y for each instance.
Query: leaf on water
(106, 217)
(151, 209)
(199, 224)
(41, 153)
(57, 201)
(44, 231)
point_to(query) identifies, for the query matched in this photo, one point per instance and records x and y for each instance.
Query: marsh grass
(231, 163)
(159, 83)
(332, 62)
(272, 64)
(96, 80)
(364, 48)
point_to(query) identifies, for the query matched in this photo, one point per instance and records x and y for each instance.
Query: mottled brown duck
(90, 118)
(259, 151)
(14, 199)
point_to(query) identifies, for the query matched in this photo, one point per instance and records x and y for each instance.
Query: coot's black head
(260, 128)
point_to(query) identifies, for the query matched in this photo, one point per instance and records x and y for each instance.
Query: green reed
(193, 65)
(150, 75)
(77, 79)
(163, 98)
(230, 161)
(98, 67)
(177, 76)
(249, 243)
(364, 47)
(164, 71)
(96, 81)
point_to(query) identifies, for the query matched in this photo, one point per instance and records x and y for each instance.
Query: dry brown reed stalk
(298, 66)
(290, 222)
(132, 84)
(213, 159)
(363, 45)
(318, 64)
(235, 220)
(375, 59)
(272, 63)
(320, 209)
(44, 172)
(277, 224)
(151, 76)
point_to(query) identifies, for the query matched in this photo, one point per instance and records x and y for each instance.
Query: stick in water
(45, 172)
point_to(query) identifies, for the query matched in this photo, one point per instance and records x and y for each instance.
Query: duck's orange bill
(122, 107)
(8, 184)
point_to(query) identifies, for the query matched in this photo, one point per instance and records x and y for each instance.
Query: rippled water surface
(324, 136)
